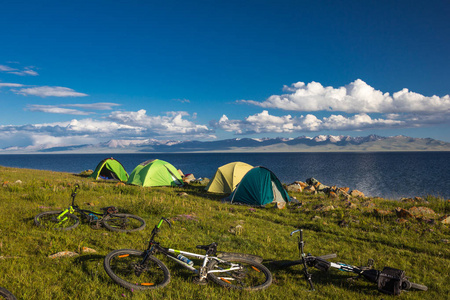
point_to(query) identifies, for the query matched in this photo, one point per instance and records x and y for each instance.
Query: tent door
(277, 197)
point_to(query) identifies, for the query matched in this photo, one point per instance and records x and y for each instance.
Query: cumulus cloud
(118, 125)
(26, 71)
(172, 123)
(356, 97)
(49, 91)
(266, 123)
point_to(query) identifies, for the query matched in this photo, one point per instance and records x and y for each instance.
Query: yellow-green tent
(155, 173)
(227, 177)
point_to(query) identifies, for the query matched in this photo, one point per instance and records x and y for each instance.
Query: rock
(312, 181)
(401, 221)
(351, 205)
(188, 178)
(368, 204)
(120, 183)
(281, 205)
(421, 211)
(356, 193)
(315, 218)
(294, 187)
(323, 207)
(18, 181)
(445, 219)
(88, 250)
(344, 189)
(310, 190)
(181, 173)
(403, 213)
(321, 187)
(407, 200)
(301, 183)
(381, 213)
(63, 254)
(333, 195)
(182, 194)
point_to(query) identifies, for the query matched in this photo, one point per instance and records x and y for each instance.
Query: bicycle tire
(418, 286)
(253, 276)
(125, 267)
(6, 295)
(123, 222)
(47, 219)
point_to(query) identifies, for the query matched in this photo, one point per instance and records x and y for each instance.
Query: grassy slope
(416, 246)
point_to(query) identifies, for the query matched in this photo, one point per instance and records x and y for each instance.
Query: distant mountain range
(320, 143)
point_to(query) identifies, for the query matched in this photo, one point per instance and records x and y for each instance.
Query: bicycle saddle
(207, 247)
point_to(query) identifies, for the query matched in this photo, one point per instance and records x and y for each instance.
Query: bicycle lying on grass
(390, 281)
(6, 295)
(109, 218)
(140, 270)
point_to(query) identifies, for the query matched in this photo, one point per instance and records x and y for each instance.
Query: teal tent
(259, 186)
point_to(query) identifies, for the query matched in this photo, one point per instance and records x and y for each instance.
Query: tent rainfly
(155, 173)
(227, 177)
(109, 168)
(258, 187)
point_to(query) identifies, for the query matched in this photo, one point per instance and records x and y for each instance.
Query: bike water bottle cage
(390, 281)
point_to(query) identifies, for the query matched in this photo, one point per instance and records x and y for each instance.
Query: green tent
(259, 186)
(109, 168)
(227, 177)
(155, 173)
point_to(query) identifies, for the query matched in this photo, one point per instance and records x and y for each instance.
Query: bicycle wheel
(251, 275)
(6, 295)
(126, 267)
(48, 219)
(123, 222)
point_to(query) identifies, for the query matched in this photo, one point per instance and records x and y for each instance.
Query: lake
(386, 174)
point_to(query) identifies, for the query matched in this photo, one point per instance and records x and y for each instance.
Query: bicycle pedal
(199, 281)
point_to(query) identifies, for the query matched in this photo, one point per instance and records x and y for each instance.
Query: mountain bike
(141, 270)
(109, 218)
(389, 280)
(6, 295)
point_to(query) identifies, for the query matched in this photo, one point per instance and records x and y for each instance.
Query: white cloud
(356, 97)
(26, 71)
(95, 106)
(49, 91)
(172, 123)
(266, 123)
(56, 110)
(118, 125)
(5, 84)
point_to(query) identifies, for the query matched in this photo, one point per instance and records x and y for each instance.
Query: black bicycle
(389, 280)
(108, 217)
(141, 270)
(6, 295)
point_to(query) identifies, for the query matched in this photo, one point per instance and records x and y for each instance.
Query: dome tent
(259, 187)
(109, 168)
(155, 172)
(227, 177)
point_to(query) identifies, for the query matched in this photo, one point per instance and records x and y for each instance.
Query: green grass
(419, 247)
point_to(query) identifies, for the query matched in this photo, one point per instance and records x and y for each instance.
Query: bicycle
(109, 218)
(389, 280)
(6, 295)
(141, 270)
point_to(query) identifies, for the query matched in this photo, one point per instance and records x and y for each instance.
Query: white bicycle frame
(206, 258)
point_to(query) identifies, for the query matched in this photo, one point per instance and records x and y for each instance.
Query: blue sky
(89, 71)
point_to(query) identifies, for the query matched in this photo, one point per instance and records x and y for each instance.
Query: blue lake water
(388, 174)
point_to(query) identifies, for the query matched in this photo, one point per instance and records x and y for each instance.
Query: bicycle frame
(74, 208)
(154, 247)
